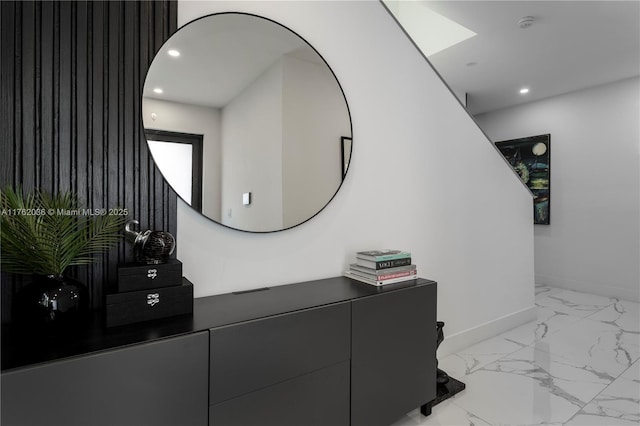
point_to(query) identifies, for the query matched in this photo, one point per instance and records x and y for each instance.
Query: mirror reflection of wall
(270, 111)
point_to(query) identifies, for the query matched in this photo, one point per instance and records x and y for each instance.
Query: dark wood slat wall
(71, 83)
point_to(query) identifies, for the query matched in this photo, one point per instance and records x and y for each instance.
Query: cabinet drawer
(162, 383)
(253, 355)
(320, 398)
(393, 362)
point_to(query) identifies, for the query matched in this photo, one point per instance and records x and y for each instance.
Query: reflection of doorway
(179, 158)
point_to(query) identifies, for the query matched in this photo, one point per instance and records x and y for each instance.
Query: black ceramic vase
(50, 300)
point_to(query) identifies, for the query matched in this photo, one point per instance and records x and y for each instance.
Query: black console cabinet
(331, 352)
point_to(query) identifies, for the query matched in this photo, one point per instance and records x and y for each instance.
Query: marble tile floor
(577, 365)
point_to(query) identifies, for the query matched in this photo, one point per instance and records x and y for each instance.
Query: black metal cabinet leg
(425, 410)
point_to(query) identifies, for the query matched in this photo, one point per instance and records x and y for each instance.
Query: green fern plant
(45, 234)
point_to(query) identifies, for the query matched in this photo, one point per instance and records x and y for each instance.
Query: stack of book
(381, 267)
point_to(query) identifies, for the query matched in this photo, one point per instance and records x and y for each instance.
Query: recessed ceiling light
(524, 90)
(173, 53)
(157, 90)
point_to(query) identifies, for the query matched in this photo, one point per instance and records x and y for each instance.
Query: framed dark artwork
(530, 157)
(345, 144)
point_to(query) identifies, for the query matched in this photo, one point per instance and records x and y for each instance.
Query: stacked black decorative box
(147, 292)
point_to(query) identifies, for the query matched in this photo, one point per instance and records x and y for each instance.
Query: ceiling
(571, 45)
(220, 55)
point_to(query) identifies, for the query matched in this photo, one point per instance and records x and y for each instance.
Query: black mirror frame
(159, 134)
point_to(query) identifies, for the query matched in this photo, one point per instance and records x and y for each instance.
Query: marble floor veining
(577, 365)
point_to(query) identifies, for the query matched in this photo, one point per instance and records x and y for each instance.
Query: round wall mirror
(247, 122)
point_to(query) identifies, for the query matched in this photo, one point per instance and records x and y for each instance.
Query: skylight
(431, 31)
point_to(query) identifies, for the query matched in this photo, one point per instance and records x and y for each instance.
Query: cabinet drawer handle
(251, 291)
(153, 299)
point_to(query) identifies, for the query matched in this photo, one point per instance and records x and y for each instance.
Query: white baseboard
(600, 289)
(455, 342)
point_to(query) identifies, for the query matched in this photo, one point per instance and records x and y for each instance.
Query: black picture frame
(346, 144)
(530, 158)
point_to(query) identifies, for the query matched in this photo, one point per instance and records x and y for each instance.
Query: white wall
(178, 117)
(593, 241)
(315, 116)
(422, 178)
(252, 152)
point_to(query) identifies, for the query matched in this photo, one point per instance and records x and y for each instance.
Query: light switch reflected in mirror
(270, 114)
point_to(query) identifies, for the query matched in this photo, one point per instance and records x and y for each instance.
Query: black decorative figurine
(441, 377)
(150, 247)
(446, 386)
